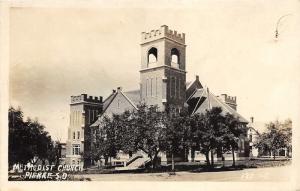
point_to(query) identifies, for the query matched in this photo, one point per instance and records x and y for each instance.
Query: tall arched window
(152, 57)
(175, 58)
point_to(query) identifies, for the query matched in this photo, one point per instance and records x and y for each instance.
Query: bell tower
(163, 74)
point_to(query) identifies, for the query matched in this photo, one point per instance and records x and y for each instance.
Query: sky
(56, 52)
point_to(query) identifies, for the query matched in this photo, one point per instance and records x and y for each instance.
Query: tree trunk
(233, 157)
(155, 159)
(207, 158)
(152, 161)
(106, 160)
(185, 155)
(212, 158)
(193, 154)
(274, 154)
(173, 162)
(223, 160)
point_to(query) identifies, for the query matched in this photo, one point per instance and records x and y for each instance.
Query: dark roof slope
(108, 100)
(202, 100)
(192, 86)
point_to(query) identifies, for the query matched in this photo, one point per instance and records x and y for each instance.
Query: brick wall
(161, 83)
(83, 112)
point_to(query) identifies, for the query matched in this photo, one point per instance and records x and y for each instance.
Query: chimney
(197, 77)
(113, 91)
(119, 89)
(252, 119)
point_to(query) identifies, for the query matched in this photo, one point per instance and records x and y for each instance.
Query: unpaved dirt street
(259, 174)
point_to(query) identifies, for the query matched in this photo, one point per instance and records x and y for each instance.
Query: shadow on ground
(196, 167)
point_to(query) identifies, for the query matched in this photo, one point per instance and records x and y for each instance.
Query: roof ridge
(192, 94)
(228, 108)
(113, 94)
(219, 101)
(195, 109)
(225, 107)
(190, 84)
(108, 97)
(129, 100)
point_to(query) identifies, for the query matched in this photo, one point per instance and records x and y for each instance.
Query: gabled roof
(196, 83)
(202, 99)
(198, 100)
(187, 84)
(259, 126)
(134, 96)
(192, 86)
(107, 102)
(251, 128)
(130, 101)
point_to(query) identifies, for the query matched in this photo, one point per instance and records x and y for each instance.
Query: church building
(162, 83)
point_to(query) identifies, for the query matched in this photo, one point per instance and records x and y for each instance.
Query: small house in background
(253, 135)
(255, 129)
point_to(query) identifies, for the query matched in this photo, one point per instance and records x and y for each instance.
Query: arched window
(175, 58)
(152, 57)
